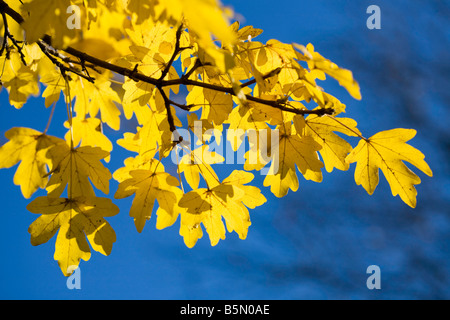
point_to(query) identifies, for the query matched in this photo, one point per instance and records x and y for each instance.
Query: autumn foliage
(128, 59)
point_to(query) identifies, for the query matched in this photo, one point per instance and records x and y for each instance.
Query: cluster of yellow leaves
(204, 17)
(79, 214)
(228, 200)
(254, 89)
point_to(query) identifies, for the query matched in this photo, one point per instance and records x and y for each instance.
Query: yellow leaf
(334, 149)
(260, 149)
(203, 17)
(167, 212)
(48, 17)
(387, 150)
(245, 33)
(155, 135)
(190, 229)
(198, 162)
(293, 151)
(130, 141)
(149, 186)
(137, 163)
(19, 80)
(274, 54)
(55, 85)
(135, 99)
(94, 97)
(74, 220)
(30, 148)
(252, 196)
(317, 61)
(88, 132)
(222, 59)
(216, 106)
(203, 129)
(75, 168)
(243, 118)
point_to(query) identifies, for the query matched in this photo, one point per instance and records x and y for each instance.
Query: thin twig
(169, 112)
(269, 75)
(196, 65)
(175, 53)
(8, 35)
(50, 118)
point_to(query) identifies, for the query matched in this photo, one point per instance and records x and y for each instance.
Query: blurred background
(313, 244)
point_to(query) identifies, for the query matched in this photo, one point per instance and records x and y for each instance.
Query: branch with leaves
(4, 9)
(130, 62)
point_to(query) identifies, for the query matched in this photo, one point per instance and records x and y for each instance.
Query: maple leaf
(216, 106)
(228, 200)
(135, 99)
(260, 149)
(74, 220)
(243, 118)
(48, 17)
(204, 17)
(55, 84)
(272, 55)
(386, 150)
(94, 97)
(246, 32)
(318, 62)
(334, 149)
(293, 151)
(203, 129)
(88, 132)
(75, 167)
(198, 162)
(155, 135)
(30, 148)
(153, 63)
(19, 80)
(149, 186)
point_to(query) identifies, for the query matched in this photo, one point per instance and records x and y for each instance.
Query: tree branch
(270, 74)
(169, 112)
(175, 53)
(161, 83)
(196, 65)
(132, 74)
(52, 53)
(7, 35)
(135, 75)
(4, 8)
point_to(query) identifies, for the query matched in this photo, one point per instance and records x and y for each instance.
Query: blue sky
(313, 244)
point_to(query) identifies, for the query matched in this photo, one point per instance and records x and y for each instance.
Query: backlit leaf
(387, 150)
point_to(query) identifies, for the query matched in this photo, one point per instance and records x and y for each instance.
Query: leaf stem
(347, 127)
(50, 118)
(169, 112)
(175, 53)
(179, 173)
